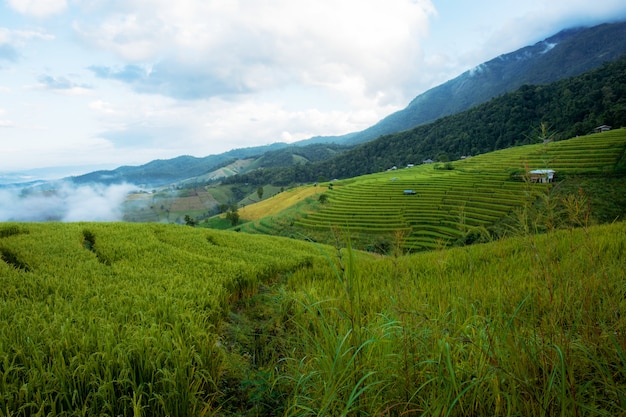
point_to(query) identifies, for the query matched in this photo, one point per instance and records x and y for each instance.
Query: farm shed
(602, 128)
(541, 175)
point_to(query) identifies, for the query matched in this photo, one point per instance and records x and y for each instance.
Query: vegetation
(456, 203)
(123, 319)
(233, 215)
(571, 107)
(513, 306)
(126, 319)
(167, 320)
(279, 202)
(568, 53)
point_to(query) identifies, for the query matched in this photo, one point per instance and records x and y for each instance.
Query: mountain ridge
(568, 52)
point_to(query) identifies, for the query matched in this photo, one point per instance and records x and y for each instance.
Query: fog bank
(64, 202)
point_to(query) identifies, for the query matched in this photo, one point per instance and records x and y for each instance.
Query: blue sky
(86, 83)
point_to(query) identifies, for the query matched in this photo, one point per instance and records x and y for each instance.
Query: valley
(465, 256)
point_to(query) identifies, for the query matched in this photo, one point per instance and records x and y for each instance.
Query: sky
(86, 84)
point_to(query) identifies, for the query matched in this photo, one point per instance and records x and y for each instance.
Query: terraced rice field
(278, 203)
(443, 205)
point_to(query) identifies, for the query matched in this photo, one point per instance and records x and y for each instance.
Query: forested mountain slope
(565, 54)
(162, 172)
(568, 53)
(570, 107)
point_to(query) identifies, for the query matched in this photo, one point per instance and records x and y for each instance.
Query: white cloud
(217, 125)
(66, 203)
(102, 107)
(353, 47)
(19, 37)
(38, 8)
(5, 122)
(159, 78)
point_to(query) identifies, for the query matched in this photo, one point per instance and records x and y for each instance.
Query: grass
(116, 318)
(166, 320)
(278, 202)
(172, 320)
(469, 334)
(479, 192)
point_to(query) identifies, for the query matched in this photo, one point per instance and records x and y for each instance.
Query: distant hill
(565, 54)
(167, 171)
(566, 108)
(188, 169)
(568, 53)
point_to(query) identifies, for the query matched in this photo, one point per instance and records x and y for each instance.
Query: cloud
(5, 122)
(64, 202)
(145, 136)
(38, 8)
(166, 127)
(20, 37)
(102, 107)
(170, 79)
(12, 40)
(190, 49)
(62, 85)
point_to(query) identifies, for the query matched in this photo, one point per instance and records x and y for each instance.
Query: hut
(541, 175)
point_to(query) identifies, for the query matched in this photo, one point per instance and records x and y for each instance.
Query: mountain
(166, 171)
(188, 169)
(568, 53)
(560, 110)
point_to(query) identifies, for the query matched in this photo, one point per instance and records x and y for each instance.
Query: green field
(166, 320)
(442, 205)
(497, 296)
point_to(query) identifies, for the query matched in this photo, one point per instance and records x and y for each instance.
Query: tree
(233, 215)
(189, 221)
(259, 192)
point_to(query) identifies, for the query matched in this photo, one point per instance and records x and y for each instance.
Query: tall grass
(168, 320)
(120, 319)
(526, 326)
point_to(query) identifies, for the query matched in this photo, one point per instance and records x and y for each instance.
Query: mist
(65, 202)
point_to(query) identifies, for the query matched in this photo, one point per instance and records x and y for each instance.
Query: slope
(437, 205)
(570, 107)
(164, 320)
(566, 54)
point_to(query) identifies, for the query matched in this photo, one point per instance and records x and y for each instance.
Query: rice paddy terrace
(434, 205)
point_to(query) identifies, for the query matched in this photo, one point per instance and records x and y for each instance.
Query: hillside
(473, 199)
(568, 53)
(188, 169)
(570, 107)
(163, 172)
(565, 54)
(166, 320)
(565, 109)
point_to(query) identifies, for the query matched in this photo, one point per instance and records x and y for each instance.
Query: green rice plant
(475, 336)
(136, 333)
(185, 321)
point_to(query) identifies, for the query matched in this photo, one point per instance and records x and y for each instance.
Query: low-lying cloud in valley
(64, 202)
